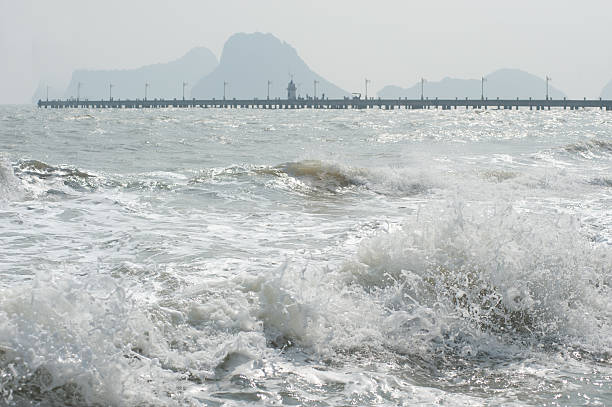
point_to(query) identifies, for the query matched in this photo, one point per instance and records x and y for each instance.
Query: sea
(240, 257)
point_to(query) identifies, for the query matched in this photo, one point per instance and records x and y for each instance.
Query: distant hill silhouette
(504, 83)
(165, 79)
(606, 92)
(41, 92)
(249, 61)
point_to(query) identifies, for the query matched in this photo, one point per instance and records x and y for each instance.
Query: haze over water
(253, 257)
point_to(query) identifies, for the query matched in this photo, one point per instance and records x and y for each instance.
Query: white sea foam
(76, 340)
(449, 274)
(10, 187)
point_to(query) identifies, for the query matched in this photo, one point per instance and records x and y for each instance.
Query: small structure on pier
(291, 91)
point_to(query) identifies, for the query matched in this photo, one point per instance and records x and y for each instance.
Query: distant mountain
(249, 61)
(41, 93)
(606, 92)
(165, 79)
(504, 83)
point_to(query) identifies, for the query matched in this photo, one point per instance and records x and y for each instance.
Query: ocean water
(208, 257)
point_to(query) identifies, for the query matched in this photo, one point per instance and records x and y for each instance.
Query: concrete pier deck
(386, 104)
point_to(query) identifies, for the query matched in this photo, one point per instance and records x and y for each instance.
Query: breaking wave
(454, 287)
(322, 175)
(43, 170)
(9, 184)
(452, 284)
(590, 148)
(39, 177)
(72, 341)
(334, 177)
(315, 176)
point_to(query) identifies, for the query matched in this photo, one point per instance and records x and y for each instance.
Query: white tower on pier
(291, 91)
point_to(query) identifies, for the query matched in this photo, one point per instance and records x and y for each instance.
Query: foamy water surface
(318, 258)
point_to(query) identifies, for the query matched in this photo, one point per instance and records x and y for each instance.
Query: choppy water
(316, 258)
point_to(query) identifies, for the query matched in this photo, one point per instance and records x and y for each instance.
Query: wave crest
(40, 177)
(506, 271)
(316, 176)
(334, 177)
(10, 187)
(454, 282)
(590, 148)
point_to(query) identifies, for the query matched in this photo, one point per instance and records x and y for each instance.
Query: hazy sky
(390, 42)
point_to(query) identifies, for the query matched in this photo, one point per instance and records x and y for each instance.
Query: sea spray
(10, 187)
(455, 272)
(75, 340)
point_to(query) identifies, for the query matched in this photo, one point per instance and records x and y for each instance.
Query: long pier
(347, 103)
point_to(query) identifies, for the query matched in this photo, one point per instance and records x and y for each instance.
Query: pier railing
(386, 104)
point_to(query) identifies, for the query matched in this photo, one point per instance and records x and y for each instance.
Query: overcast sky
(390, 42)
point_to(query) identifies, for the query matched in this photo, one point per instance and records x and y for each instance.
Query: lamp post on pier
(78, 91)
(47, 93)
(315, 89)
(146, 87)
(366, 88)
(224, 85)
(548, 79)
(110, 92)
(422, 87)
(269, 83)
(184, 84)
(482, 81)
